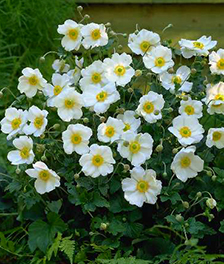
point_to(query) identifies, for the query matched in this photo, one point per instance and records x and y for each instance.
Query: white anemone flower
(24, 153)
(98, 161)
(137, 148)
(60, 66)
(186, 164)
(130, 121)
(118, 69)
(76, 138)
(182, 75)
(111, 130)
(187, 129)
(72, 35)
(93, 75)
(216, 61)
(59, 83)
(191, 108)
(94, 35)
(69, 104)
(215, 98)
(100, 98)
(142, 187)
(38, 121)
(13, 122)
(75, 74)
(199, 47)
(46, 179)
(142, 42)
(215, 138)
(159, 59)
(30, 82)
(150, 106)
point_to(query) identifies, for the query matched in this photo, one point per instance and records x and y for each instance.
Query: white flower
(94, 35)
(38, 121)
(186, 164)
(150, 106)
(137, 148)
(69, 104)
(30, 82)
(24, 154)
(110, 131)
(100, 98)
(60, 66)
(60, 83)
(142, 187)
(211, 203)
(13, 122)
(75, 74)
(93, 74)
(72, 35)
(216, 60)
(159, 59)
(215, 98)
(187, 129)
(76, 138)
(98, 161)
(118, 69)
(46, 179)
(215, 137)
(199, 47)
(131, 123)
(180, 78)
(191, 108)
(142, 42)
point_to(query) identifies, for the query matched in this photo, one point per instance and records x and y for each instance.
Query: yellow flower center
(144, 46)
(97, 160)
(220, 64)
(176, 79)
(185, 132)
(189, 110)
(76, 139)
(148, 107)
(185, 162)
(216, 136)
(120, 70)
(57, 90)
(69, 103)
(38, 122)
(110, 131)
(219, 97)
(134, 147)
(15, 123)
(198, 45)
(159, 62)
(142, 186)
(25, 153)
(73, 33)
(33, 80)
(44, 175)
(127, 127)
(101, 97)
(95, 34)
(96, 77)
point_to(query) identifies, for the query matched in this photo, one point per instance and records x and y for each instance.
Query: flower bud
(211, 216)
(79, 8)
(120, 47)
(42, 59)
(76, 176)
(157, 112)
(126, 167)
(56, 126)
(193, 71)
(40, 148)
(209, 173)
(108, 24)
(18, 170)
(78, 186)
(1, 94)
(164, 174)
(43, 158)
(138, 73)
(211, 203)
(205, 82)
(186, 225)
(120, 110)
(42, 136)
(185, 204)
(170, 109)
(125, 35)
(103, 226)
(85, 120)
(171, 70)
(174, 151)
(179, 217)
(126, 143)
(86, 17)
(159, 148)
(199, 194)
(124, 219)
(214, 178)
(91, 233)
(102, 119)
(130, 90)
(185, 98)
(112, 33)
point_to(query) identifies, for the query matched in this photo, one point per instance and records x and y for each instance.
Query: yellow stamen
(216, 136)
(38, 122)
(220, 64)
(198, 45)
(101, 97)
(15, 123)
(134, 147)
(189, 110)
(144, 46)
(185, 162)
(142, 186)
(96, 77)
(25, 153)
(44, 175)
(110, 131)
(185, 132)
(95, 34)
(148, 107)
(120, 70)
(57, 90)
(69, 103)
(97, 160)
(76, 139)
(160, 62)
(73, 33)
(33, 80)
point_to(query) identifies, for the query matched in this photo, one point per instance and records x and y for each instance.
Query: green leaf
(54, 247)
(221, 229)
(55, 206)
(68, 247)
(100, 201)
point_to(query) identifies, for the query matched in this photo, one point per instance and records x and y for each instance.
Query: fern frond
(68, 247)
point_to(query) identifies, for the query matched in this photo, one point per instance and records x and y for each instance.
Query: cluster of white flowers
(95, 88)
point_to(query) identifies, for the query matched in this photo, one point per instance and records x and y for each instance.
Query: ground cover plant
(118, 156)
